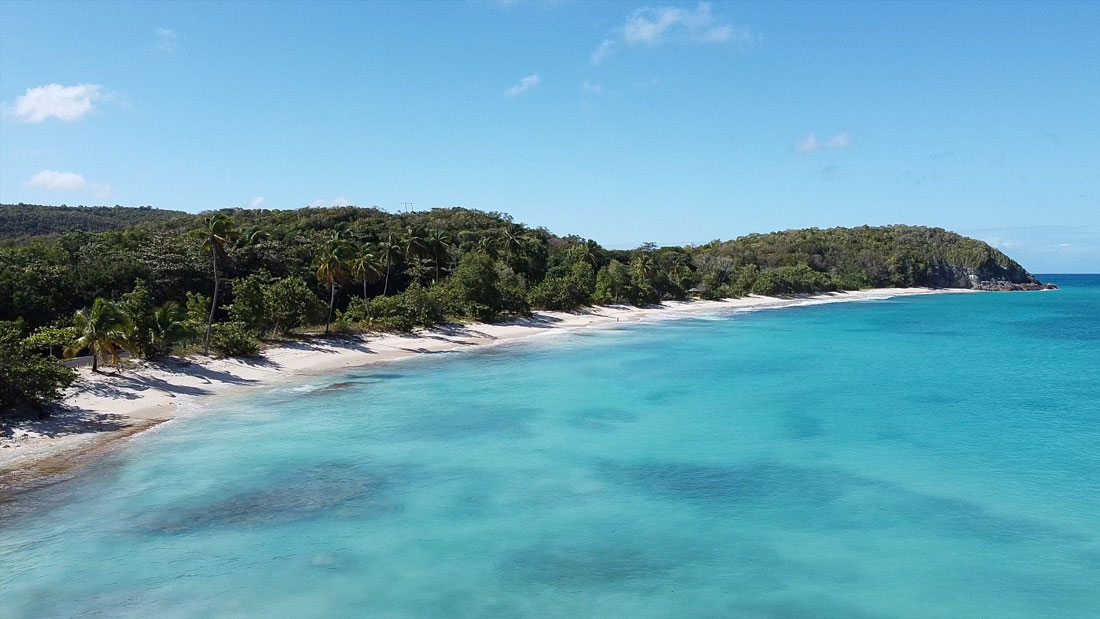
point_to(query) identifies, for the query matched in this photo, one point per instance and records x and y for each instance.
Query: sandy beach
(102, 409)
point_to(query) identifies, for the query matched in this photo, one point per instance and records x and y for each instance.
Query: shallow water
(918, 457)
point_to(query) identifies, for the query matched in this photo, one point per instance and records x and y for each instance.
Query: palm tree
(416, 243)
(438, 244)
(489, 245)
(584, 253)
(102, 331)
(217, 232)
(366, 267)
(331, 265)
(513, 236)
(642, 265)
(389, 249)
(170, 325)
(251, 236)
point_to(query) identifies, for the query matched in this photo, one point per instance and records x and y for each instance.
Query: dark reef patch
(293, 496)
(819, 498)
(711, 484)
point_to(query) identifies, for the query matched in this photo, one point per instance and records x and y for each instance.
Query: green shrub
(264, 304)
(552, 293)
(796, 279)
(474, 286)
(289, 303)
(570, 291)
(852, 281)
(513, 290)
(233, 339)
(416, 306)
(743, 280)
(248, 306)
(27, 378)
(613, 284)
(343, 324)
(358, 310)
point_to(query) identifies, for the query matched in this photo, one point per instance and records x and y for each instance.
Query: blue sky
(624, 122)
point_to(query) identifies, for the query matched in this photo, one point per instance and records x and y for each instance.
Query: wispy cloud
(602, 51)
(651, 27)
(52, 180)
(167, 41)
(257, 202)
(810, 144)
(589, 87)
(523, 86)
(322, 203)
(66, 103)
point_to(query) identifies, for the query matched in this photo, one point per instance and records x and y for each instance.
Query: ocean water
(917, 457)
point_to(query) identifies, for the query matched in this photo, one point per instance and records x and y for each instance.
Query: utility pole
(409, 206)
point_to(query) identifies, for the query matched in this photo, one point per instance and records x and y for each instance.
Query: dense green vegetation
(222, 281)
(28, 220)
(27, 378)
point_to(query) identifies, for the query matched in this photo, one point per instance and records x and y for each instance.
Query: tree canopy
(153, 280)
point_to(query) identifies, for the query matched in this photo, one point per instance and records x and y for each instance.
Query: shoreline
(101, 410)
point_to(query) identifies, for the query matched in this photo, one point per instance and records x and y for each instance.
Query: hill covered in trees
(19, 221)
(166, 280)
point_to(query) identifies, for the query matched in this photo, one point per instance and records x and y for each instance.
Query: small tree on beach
(26, 377)
(289, 303)
(169, 326)
(217, 232)
(101, 330)
(331, 266)
(139, 308)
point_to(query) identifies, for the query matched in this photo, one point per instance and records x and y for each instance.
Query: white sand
(101, 408)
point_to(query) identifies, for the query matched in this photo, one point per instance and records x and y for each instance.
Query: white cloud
(807, 144)
(595, 89)
(62, 102)
(840, 141)
(602, 51)
(810, 144)
(523, 86)
(67, 181)
(257, 202)
(166, 40)
(651, 27)
(322, 203)
(57, 181)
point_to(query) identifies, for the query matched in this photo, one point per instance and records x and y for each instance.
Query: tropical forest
(117, 282)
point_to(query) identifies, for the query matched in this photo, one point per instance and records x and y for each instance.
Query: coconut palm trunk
(213, 305)
(386, 286)
(331, 303)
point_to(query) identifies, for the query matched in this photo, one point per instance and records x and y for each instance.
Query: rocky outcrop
(991, 277)
(1001, 285)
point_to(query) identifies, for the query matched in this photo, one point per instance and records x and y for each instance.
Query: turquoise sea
(917, 457)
